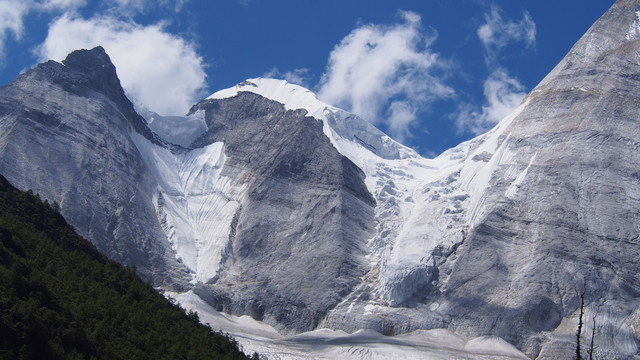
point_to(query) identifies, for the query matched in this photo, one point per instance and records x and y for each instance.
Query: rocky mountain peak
(609, 47)
(96, 64)
(93, 69)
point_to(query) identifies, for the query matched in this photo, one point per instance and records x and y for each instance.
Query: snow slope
(194, 203)
(424, 210)
(350, 134)
(255, 336)
(423, 205)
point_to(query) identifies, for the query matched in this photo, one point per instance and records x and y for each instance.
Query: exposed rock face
(553, 210)
(562, 209)
(65, 135)
(299, 237)
(70, 134)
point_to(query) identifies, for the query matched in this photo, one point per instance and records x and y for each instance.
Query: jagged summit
(96, 66)
(84, 73)
(291, 95)
(612, 41)
(66, 135)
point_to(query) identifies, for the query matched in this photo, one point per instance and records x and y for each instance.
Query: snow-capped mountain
(265, 201)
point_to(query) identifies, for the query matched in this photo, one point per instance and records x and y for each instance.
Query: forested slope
(61, 298)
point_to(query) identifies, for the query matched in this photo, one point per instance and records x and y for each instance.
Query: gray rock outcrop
(70, 134)
(299, 238)
(571, 223)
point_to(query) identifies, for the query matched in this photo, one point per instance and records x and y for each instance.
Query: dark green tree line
(62, 299)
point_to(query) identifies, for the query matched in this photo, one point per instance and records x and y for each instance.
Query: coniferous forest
(62, 299)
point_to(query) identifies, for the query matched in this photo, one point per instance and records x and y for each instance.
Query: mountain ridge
(304, 216)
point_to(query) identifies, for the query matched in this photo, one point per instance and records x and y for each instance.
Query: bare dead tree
(579, 332)
(593, 336)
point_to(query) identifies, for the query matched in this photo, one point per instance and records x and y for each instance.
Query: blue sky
(430, 73)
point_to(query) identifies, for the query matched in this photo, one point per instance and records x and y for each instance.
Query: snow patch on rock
(195, 204)
(634, 28)
(517, 183)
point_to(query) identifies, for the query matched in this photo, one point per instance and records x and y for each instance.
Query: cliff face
(547, 208)
(65, 135)
(298, 237)
(561, 211)
(264, 186)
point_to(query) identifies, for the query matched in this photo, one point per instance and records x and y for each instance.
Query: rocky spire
(98, 70)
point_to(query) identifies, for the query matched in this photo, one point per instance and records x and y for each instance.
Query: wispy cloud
(502, 92)
(496, 32)
(132, 7)
(11, 14)
(61, 5)
(158, 69)
(298, 76)
(385, 74)
(161, 70)
(502, 95)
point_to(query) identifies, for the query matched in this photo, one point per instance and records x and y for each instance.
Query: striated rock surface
(261, 215)
(64, 133)
(561, 212)
(298, 236)
(550, 208)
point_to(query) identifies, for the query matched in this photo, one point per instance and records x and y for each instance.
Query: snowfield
(255, 336)
(418, 200)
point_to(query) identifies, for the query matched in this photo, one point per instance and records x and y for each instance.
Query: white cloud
(11, 24)
(502, 93)
(400, 114)
(496, 33)
(63, 5)
(12, 13)
(298, 76)
(379, 71)
(129, 6)
(158, 69)
(132, 7)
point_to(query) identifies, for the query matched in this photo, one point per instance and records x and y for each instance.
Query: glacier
(194, 203)
(431, 213)
(417, 201)
(435, 344)
(397, 177)
(424, 206)
(415, 198)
